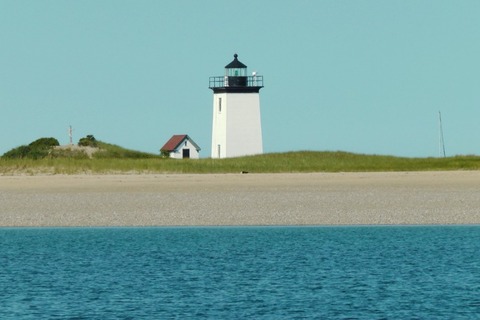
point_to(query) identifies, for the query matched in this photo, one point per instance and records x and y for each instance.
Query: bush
(164, 153)
(44, 143)
(36, 150)
(88, 141)
(17, 153)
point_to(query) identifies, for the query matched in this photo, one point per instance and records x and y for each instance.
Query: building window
(185, 143)
(218, 150)
(219, 104)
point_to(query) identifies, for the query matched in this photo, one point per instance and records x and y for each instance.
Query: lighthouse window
(219, 104)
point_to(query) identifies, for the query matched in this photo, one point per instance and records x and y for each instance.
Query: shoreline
(291, 199)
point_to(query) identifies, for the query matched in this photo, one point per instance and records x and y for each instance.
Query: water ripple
(261, 273)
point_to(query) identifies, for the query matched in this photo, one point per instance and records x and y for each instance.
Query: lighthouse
(236, 127)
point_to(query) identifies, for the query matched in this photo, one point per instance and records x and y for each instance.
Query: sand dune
(235, 199)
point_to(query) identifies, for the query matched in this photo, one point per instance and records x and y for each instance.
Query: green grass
(118, 160)
(109, 151)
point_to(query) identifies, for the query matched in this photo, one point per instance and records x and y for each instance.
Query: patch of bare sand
(394, 198)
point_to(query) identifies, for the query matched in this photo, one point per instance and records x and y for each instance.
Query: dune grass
(112, 151)
(117, 160)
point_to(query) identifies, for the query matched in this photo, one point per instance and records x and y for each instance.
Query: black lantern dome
(236, 79)
(235, 68)
(236, 73)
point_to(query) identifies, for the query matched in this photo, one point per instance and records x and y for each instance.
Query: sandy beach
(397, 198)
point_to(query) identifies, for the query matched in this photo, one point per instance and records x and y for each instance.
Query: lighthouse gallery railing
(223, 81)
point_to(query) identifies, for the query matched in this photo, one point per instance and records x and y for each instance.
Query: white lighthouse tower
(236, 129)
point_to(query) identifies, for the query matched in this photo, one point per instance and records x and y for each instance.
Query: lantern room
(236, 79)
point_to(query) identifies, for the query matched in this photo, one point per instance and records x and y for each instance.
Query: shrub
(38, 149)
(17, 153)
(44, 143)
(164, 153)
(88, 141)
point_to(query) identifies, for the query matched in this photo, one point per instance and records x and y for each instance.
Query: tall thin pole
(441, 146)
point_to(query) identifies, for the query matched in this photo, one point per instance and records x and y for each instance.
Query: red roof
(174, 142)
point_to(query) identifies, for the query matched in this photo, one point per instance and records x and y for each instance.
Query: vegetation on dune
(111, 151)
(114, 159)
(87, 148)
(88, 141)
(38, 149)
(93, 156)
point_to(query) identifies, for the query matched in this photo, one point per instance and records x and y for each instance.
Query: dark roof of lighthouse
(235, 64)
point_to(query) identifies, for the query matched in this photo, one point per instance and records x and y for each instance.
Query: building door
(186, 153)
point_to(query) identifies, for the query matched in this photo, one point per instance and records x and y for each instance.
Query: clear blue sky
(359, 76)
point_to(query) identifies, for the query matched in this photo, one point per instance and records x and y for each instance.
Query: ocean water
(241, 273)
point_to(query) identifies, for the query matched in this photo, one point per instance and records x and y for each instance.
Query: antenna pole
(441, 147)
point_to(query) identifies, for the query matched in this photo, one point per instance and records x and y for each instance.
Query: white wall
(178, 153)
(219, 125)
(244, 129)
(237, 126)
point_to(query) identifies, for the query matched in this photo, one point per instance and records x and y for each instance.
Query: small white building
(181, 146)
